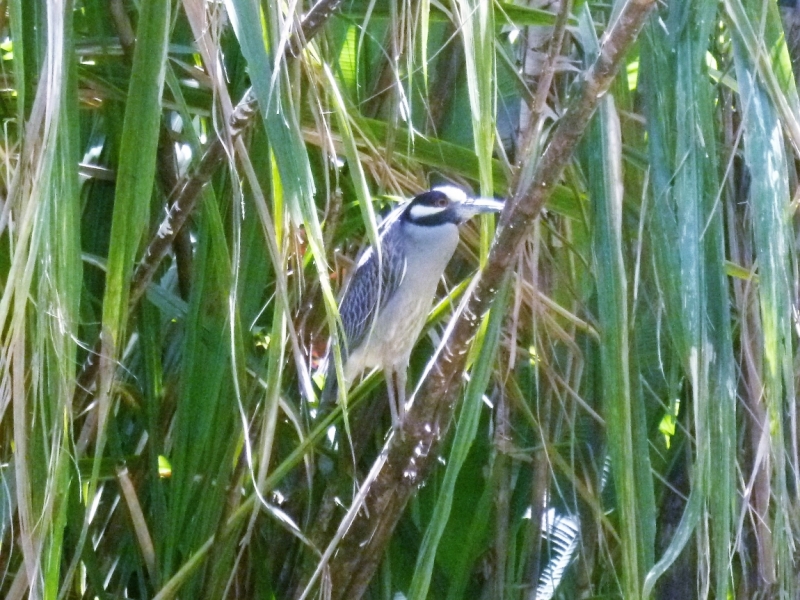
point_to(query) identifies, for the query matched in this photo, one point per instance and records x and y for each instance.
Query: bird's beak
(475, 206)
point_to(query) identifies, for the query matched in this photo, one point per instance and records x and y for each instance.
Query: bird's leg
(402, 374)
(390, 390)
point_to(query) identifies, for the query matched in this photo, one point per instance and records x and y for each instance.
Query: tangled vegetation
(605, 395)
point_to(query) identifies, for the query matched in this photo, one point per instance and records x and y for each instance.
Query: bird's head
(447, 204)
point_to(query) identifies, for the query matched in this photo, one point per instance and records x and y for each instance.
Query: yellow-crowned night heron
(389, 296)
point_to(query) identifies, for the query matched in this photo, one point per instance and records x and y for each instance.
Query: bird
(391, 292)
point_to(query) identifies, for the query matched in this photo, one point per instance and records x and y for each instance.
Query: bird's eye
(441, 202)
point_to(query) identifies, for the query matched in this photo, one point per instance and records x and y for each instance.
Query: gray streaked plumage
(387, 300)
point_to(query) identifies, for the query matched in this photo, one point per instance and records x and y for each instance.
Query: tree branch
(186, 194)
(411, 455)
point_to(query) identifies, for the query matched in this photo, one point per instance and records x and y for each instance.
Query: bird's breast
(399, 323)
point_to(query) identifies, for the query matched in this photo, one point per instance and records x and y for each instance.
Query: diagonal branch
(186, 194)
(411, 455)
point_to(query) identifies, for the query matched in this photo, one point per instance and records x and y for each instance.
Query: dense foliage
(184, 187)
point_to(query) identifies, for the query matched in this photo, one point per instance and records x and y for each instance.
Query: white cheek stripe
(419, 211)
